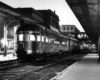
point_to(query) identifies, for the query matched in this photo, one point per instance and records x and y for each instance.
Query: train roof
(33, 27)
(29, 27)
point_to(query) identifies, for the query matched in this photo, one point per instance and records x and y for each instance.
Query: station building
(50, 18)
(34, 14)
(45, 17)
(69, 28)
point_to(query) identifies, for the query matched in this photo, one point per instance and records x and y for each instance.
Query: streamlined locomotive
(36, 41)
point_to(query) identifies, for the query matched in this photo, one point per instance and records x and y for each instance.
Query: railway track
(17, 73)
(6, 65)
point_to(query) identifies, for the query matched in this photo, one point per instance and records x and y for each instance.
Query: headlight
(37, 51)
(29, 51)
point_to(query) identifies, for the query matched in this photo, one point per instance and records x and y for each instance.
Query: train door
(39, 39)
(20, 44)
(33, 42)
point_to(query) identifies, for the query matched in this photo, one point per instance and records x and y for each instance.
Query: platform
(8, 57)
(86, 69)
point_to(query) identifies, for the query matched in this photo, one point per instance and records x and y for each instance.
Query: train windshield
(20, 37)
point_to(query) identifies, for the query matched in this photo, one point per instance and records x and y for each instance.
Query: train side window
(47, 40)
(20, 37)
(50, 40)
(32, 38)
(42, 38)
(58, 42)
(63, 43)
(38, 38)
(55, 42)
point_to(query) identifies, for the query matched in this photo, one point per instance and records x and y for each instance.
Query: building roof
(49, 12)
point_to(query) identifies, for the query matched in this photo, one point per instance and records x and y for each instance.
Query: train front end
(26, 42)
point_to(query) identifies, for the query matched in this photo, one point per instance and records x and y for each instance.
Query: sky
(61, 8)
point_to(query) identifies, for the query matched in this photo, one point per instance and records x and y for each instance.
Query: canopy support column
(99, 47)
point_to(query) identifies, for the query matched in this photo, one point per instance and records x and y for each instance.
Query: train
(37, 41)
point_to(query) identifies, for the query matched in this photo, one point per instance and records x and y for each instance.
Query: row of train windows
(39, 38)
(29, 37)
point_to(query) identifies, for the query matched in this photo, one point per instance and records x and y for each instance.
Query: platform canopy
(7, 11)
(88, 14)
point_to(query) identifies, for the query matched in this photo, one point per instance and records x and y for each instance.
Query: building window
(64, 28)
(67, 28)
(55, 24)
(71, 28)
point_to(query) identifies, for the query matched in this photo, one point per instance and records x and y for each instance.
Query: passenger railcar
(36, 41)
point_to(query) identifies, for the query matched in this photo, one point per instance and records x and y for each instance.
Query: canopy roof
(88, 13)
(6, 10)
